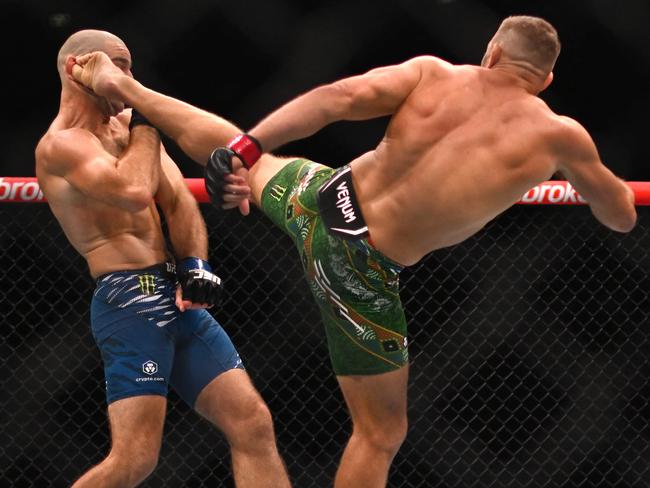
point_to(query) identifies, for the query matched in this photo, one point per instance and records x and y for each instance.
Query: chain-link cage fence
(529, 358)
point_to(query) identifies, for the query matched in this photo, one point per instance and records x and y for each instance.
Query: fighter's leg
(366, 331)
(357, 290)
(232, 403)
(135, 336)
(208, 375)
(136, 425)
(260, 174)
(377, 406)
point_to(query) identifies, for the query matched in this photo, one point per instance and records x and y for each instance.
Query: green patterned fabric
(356, 287)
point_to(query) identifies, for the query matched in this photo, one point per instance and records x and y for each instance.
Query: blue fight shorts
(147, 344)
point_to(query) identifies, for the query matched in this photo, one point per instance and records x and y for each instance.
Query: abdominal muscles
(111, 239)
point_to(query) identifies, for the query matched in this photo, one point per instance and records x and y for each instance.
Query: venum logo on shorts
(344, 202)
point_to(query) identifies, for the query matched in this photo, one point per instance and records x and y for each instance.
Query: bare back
(463, 147)
(109, 237)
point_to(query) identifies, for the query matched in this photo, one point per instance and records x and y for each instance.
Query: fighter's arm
(199, 287)
(196, 131)
(128, 182)
(374, 94)
(185, 224)
(610, 199)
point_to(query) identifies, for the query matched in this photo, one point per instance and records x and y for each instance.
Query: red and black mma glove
(245, 147)
(138, 119)
(198, 282)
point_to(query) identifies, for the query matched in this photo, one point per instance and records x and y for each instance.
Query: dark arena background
(529, 342)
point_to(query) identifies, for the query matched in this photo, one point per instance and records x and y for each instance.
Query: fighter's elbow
(627, 217)
(135, 199)
(626, 222)
(623, 220)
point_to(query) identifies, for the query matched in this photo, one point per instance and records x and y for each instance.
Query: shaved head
(84, 42)
(529, 42)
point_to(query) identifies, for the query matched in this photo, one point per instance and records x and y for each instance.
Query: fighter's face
(121, 58)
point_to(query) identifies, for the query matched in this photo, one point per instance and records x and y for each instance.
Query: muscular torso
(456, 154)
(109, 238)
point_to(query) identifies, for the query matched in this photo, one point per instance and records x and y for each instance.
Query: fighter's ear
(547, 81)
(494, 55)
(70, 61)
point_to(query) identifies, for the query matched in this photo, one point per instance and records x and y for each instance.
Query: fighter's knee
(252, 427)
(135, 466)
(388, 436)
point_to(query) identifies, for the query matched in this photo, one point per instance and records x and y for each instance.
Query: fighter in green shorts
(463, 143)
(355, 286)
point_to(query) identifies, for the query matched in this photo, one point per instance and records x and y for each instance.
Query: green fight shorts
(356, 287)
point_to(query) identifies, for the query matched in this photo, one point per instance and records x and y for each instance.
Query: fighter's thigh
(204, 352)
(137, 359)
(137, 426)
(360, 305)
(378, 400)
(232, 403)
(260, 174)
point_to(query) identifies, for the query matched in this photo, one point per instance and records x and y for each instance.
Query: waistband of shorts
(167, 269)
(339, 208)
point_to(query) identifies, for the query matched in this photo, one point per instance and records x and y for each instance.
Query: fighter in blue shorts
(101, 168)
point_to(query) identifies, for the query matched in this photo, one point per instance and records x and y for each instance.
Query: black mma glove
(138, 119)
(219, 165)
(198, 282)
(245, 147)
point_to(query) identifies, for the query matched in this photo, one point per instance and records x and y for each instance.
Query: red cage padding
(26, 189)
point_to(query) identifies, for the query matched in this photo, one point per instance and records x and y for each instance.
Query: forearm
(187, 231)
(196, 131)
(140, 163)
(301, 118)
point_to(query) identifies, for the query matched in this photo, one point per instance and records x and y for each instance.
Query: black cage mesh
(529, 347)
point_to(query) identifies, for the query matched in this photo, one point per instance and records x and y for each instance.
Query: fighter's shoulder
(570, 129)
(430, 64)
(65, 146)
(571, 136)
(56, 142)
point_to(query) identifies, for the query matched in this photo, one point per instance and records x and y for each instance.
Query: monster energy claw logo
(147, 284)
(277, 192)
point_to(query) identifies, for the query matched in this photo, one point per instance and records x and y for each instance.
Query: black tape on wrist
(138, 119)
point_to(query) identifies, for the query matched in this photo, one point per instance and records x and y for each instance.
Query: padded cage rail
(26, 189)
(530, 354)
